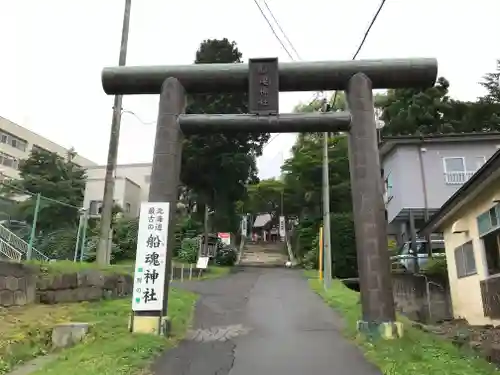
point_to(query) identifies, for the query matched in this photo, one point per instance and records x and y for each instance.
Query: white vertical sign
(151, 256)
(244, 230)
(282, 226)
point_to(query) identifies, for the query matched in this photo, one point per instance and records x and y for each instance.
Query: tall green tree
(315, 105)
(265, 197)
(492, 85)
(413, 111)
(217, 167)
(303, 176)
(432, 111)
(55, 178)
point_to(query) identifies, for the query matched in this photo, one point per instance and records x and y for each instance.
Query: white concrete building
(131, 187)
(131, 184)
(16, 143)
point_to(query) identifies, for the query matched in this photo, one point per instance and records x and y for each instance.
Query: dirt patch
(480, 340)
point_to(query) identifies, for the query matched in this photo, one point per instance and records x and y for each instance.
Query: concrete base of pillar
(154, 325)
(385, 331)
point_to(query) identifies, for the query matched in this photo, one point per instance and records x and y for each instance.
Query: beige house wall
(465, 291)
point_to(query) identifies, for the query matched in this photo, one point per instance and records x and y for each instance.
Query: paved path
(263, 322)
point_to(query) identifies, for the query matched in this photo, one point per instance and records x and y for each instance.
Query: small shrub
(189, 250)
(125, 237)
(436, 266)
(186, 227)
(226, 256)
(91, 245)
(311, 258)
(343, 242)
(59, 244)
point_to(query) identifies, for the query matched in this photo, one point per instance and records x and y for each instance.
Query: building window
(127, 207)
(456, 164)
(9, 161)
(36, 148)
(388, 188)
(465, 261)
(479, 161)
(491, 251)
(455, 172)
(12, 140)
(488, 221)
(95, 207)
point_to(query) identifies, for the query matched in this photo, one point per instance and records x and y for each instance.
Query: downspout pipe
(421, 149)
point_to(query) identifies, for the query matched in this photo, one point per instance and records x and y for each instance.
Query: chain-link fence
(39, 228)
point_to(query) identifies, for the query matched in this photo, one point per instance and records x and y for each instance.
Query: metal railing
(20, 245)
(9, 251)
(457, 178)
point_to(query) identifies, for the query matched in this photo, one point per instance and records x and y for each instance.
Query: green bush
(435, 267)
(91, 246)
(189, 250)
(311, 258)
(186, 227)
(59, 244)
(307, 231)
(343, 242)
(226, 256)
(125, 239)
(344, 260)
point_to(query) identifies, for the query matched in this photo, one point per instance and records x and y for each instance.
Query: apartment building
(131, 187)
(16, 143)
(422, 172)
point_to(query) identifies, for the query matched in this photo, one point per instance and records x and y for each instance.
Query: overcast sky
(52, 53)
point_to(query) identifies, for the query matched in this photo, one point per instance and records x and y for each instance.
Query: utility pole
(326, 209)
(109, 182)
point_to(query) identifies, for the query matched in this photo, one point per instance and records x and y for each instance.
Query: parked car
(406, 257)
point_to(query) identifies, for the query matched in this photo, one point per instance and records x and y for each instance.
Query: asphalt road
(263, 322)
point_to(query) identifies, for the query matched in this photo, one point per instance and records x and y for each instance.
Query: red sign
(225, 237)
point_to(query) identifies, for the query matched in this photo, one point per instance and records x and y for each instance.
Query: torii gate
(357, 78)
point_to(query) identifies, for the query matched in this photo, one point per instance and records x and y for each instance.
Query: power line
(272, 139)
(279, 40)
(281, 29)
(272, 29)
(365, 36)
(138, 118)
(369, 29)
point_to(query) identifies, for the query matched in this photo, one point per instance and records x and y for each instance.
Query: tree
(492, 85)
(303, 176)
(431, 111)
(217, 167)
(265, 197)
(61, 184)
(413, 111)
(315, 104)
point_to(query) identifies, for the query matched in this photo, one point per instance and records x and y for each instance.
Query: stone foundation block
(66, 335)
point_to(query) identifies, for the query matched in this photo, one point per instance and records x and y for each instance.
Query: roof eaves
(475, 182)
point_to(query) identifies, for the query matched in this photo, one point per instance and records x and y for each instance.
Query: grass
(67, 266)
(215, 272)
(108, 349)
(25, 331)
(416, 353)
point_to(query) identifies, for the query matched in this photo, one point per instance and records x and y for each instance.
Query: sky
(53, 51)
